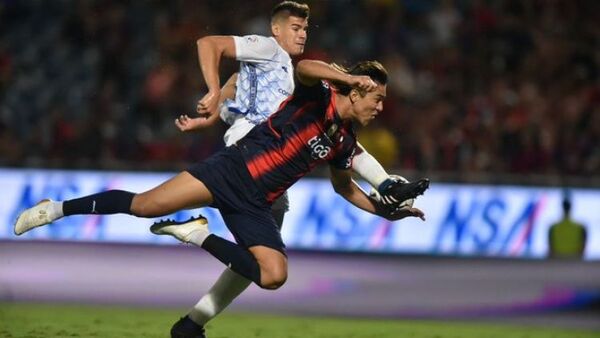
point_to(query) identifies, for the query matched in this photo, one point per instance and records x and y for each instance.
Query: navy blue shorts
(242, 205)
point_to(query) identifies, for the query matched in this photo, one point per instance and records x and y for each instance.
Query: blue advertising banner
(465, 220)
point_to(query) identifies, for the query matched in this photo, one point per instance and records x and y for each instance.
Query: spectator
(567, 238)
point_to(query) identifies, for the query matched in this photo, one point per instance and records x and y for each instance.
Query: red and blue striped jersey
(305, 131)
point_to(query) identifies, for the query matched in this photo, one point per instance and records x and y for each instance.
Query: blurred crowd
(502, 87)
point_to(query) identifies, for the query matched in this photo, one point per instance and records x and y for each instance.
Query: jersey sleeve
(255, 48)
(318, 92)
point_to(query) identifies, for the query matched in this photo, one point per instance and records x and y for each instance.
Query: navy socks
(104, 203)
(234, 256)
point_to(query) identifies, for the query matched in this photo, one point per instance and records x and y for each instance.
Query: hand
(362, 82)
(207, 106)
(395, 212)
(185, 123)
(406, 212)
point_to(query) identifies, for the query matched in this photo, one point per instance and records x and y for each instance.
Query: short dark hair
(286, 9)
(373, 69)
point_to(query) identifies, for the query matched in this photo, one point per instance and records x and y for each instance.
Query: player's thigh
(180, 192)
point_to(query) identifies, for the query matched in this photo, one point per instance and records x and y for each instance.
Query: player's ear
(275, 28)
(354, 95)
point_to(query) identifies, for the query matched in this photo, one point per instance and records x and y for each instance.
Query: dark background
(485, 91)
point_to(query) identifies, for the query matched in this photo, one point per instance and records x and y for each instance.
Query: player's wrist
(214, 91)
(350, 80)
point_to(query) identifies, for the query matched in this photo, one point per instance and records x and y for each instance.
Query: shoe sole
(156, 227)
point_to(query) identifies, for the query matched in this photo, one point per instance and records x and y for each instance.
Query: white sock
(56, 209)
(198, 237)
(223, 292)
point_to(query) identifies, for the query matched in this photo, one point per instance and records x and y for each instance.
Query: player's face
(368, 106)
(291, 34)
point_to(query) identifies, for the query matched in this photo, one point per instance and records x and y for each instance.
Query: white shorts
(238, 129)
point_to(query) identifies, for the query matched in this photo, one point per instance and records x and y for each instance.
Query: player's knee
(273, 267)
(142, 206)
(139, 206)
(273, 283)
(274, 277)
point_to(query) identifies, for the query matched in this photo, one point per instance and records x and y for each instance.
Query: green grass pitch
(56, 320)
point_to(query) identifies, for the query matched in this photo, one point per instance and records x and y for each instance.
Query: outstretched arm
(344, 185)
(186, 123)
(310, 72)
(210, 51)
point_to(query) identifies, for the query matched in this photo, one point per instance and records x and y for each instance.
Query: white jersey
(265, 79)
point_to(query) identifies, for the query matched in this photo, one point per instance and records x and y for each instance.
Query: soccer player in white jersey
(265, 79)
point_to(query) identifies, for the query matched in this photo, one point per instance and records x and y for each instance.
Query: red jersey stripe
(277, 157)
(331, 106)
(273, 195)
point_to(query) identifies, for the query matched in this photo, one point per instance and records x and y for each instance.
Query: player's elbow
(303, 65)
(220, 45)
(306, 70)
(203, 42)
(209, 43)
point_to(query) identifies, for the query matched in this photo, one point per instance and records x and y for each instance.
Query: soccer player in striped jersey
(265, 80)
(315, 125)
